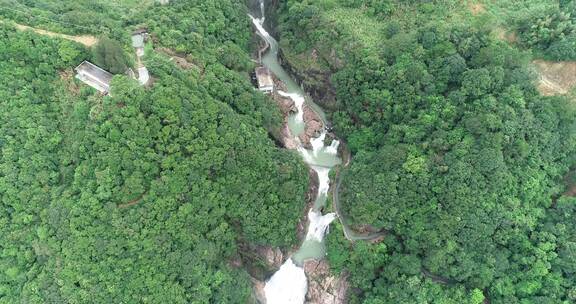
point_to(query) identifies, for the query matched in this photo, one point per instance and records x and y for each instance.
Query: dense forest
(456, 155)
(151, 194)
(144, 195)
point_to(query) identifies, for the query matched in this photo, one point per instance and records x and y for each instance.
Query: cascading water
(298, 103)
(289, 285)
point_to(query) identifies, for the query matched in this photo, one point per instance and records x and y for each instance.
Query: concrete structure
(143, 75)
(138, 38)
(265, 81)
(94, 76)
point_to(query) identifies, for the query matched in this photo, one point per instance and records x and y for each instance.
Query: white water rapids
(298, 102)
(289, 284)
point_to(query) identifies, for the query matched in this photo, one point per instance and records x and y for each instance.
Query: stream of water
(289, 284)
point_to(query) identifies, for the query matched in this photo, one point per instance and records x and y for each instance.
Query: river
(289, 284)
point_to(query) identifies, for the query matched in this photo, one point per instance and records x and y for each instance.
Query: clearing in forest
(355, 22)
(476, 8)
(508, 36)
(86, 40)
(556, 78)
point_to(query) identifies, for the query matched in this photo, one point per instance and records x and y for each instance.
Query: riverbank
(314, 125)
(315, 82)
(323, 286)
(304, 129)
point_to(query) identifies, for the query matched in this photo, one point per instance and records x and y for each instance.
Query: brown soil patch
(132, 202)
(67, 76)
(502, 34)
(571, 192)
(179, 59)
(476, 8)
(570, 181)
(556, 78)
(86, 40)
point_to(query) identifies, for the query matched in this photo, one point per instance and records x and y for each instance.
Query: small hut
(94, 76)
(265, 81)
(138, 38)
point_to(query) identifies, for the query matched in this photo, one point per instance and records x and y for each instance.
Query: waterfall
(289, 284)
(259, 24)
(318, 225)
(323, 179)
(298, 102)
(333, 148)
(262, 12)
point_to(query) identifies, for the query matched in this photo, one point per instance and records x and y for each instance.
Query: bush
(109, 55)
(563, 50)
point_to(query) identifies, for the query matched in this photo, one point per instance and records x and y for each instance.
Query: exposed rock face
(259, 295)
(316, 82)
(310, 198)
(272, 256)
(286, 104)
(287, 107)
(313, 126)
(323, 287)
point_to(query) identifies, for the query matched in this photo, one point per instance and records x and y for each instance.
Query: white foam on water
(259, 24)
(298, 102)
(287, 286)
(323, 179)
(143, 75)
(262, 13)
(318, 225)
(308, 157)
(333, 148)
(318, 143)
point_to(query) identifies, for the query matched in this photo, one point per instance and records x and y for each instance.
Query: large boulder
(313, 126)
(272, 256)
(324, 287)
(259, 295)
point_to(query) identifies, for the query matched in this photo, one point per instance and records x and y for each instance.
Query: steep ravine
(315, 82)
(304, 131)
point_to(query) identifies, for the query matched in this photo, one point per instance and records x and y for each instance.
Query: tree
(109, 55)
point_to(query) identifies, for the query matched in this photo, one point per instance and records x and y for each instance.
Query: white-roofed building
(265, 81)
(94, 76)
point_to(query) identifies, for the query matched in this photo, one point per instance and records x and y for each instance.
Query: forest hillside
(455, 153)
(144, 195)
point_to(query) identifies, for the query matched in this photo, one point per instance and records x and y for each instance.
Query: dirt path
(133, 202)
(86, 40)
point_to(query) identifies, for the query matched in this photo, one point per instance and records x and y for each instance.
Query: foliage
(142, 196)
(109, 55)
(454, 153)
(553, 32)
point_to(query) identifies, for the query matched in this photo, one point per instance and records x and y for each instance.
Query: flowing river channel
(289, 283)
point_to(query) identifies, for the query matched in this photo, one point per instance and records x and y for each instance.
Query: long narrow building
(94, 76)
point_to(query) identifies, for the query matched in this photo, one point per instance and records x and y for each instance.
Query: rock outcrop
(262, 261)
(324, 287)
(313, 126)
(272, 256)
(310, 200)
(287, 107)
(316, 82)
(259, 295)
